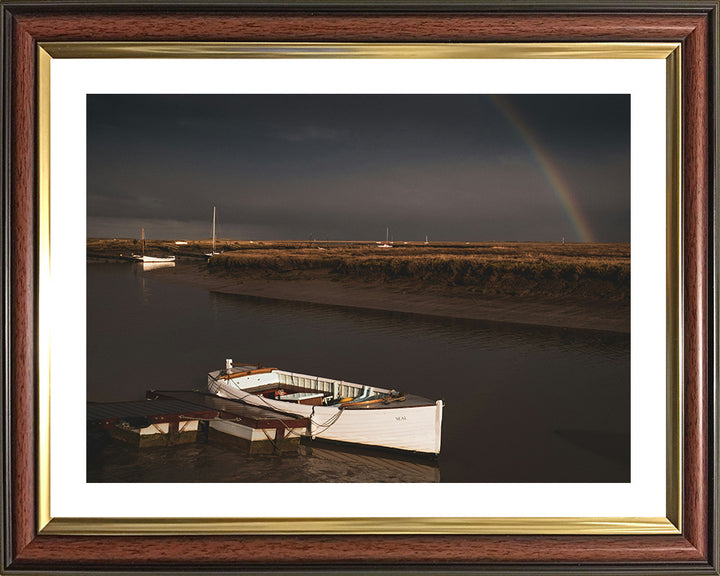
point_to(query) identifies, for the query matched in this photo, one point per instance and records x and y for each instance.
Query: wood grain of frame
(694, 24)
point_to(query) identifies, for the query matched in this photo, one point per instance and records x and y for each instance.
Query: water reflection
(211, 461)
(523, 403)
(456, 332)
(139, 270)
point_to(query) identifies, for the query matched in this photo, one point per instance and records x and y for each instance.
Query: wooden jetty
(175, 417)
(144, 423)
(258, 430)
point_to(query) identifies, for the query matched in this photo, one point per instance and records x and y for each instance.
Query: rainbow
(549, 169)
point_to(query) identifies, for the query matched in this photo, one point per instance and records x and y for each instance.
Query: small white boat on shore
(337, 410)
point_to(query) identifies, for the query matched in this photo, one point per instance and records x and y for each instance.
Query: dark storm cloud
(455, 167)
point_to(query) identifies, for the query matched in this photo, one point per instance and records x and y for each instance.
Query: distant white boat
(337, 410)
(151, 259)
(143, 258)
(387, 243)
(213, 253)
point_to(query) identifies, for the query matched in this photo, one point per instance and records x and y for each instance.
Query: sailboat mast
(213, 248)
(143, 241)
(387, 235)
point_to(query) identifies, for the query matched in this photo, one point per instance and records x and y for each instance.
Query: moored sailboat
(387, 243)
(143, 258)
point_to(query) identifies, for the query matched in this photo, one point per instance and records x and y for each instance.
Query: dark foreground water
(522, 404)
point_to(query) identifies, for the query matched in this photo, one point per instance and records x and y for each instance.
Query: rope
(325, 425)
(329, 422)
(273, 442)
(287, 428)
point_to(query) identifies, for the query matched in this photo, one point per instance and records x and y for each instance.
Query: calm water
(522, 404)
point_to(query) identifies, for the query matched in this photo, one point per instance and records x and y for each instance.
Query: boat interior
(314, 397)
(289, 393)
(314, 391)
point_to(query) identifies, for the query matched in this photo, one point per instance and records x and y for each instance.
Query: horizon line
(315, 241)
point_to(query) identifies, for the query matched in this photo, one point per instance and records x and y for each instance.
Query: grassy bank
(537, 270)
(123, 248)
(544, 270)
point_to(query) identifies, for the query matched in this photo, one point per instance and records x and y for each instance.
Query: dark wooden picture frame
(694, 24)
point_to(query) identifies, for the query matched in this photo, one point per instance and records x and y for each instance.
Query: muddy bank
(410, 298)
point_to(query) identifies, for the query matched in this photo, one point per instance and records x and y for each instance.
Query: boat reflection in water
(323, 459)
(155, 265)
(144, 266)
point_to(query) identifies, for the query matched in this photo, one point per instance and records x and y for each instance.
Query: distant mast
(213, 248)
(142, 233)
(212, 252)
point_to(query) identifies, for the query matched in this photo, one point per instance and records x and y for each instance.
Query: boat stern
(439, 405)
(240, 376)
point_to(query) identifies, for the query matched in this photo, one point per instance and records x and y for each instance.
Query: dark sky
(345, 167)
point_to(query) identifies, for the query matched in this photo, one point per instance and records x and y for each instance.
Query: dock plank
(166, 410)
(229, 409)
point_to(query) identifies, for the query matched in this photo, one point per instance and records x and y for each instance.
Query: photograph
(365, 288)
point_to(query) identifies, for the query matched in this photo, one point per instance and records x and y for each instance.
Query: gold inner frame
(671, 524)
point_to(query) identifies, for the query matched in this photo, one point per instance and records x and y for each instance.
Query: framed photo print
(350, 287)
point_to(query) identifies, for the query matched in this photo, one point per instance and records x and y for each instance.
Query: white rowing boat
(337, 410)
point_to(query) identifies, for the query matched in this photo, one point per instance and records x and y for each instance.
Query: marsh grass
(586, 271)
